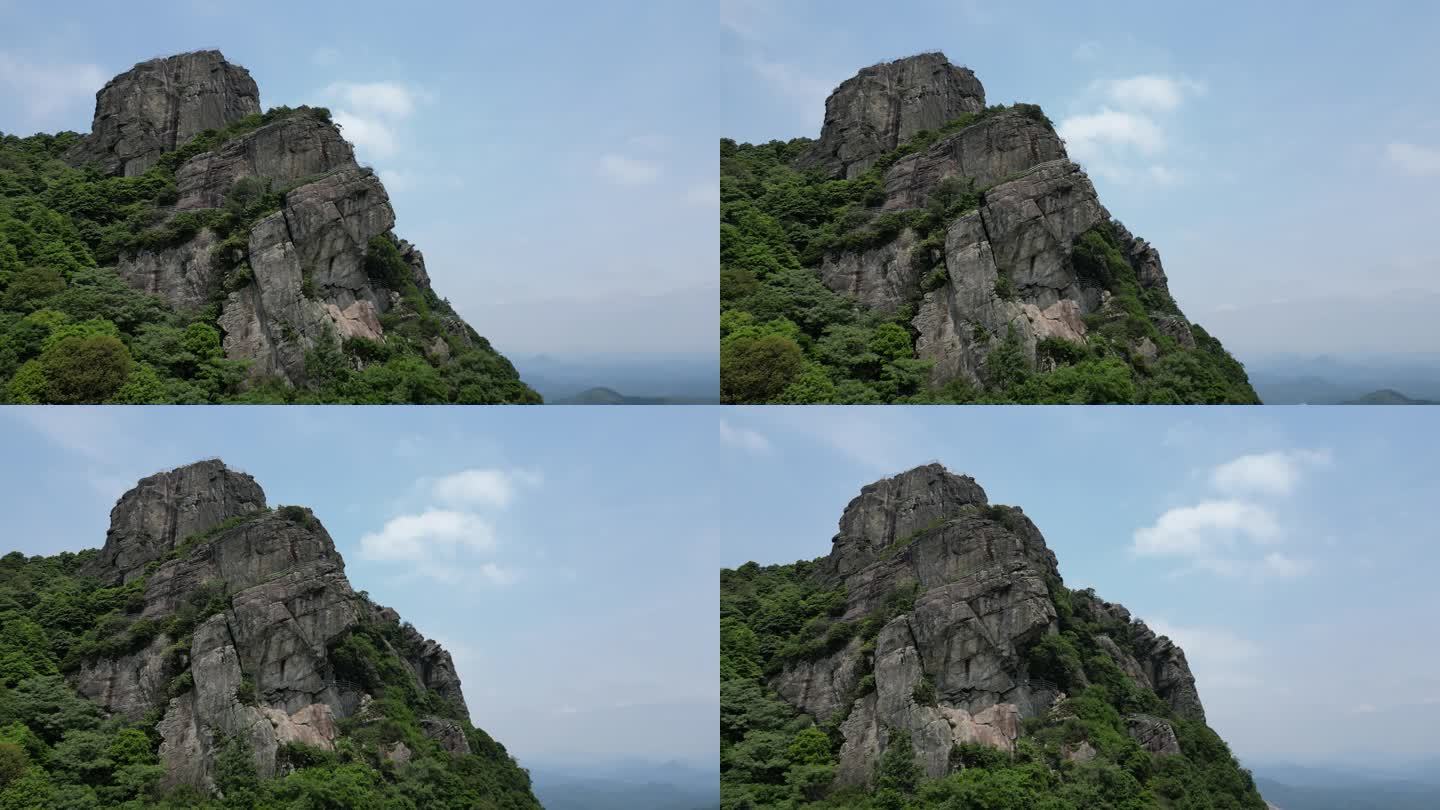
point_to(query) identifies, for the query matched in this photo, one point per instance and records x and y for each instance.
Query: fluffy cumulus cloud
(47, 89)
(454, 538)
(743, 438)
(427, 535)
(1275, 473)
(1124, 137)
(371, 114)
(1202, 527)
(1235, 535)
(494, 488)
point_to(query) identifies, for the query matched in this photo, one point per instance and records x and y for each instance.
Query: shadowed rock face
(981, 578)
(884, 105)
(286, 599)
(160, 104)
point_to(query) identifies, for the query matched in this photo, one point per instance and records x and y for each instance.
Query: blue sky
(554, 161)
(1281, 156)
(1292, 554)
(566, 563)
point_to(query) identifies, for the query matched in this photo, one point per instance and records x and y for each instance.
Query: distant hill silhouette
(609, 396)
(1388, 396)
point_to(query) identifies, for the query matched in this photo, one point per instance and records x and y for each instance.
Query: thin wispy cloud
(743, 438)
(46, 89)
(629, 171)
(1414, 159)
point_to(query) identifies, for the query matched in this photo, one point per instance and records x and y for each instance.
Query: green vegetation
(773, 756)
(59, 750)
(787, 338)
(71, 331)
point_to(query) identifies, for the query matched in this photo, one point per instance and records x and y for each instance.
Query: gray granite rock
(283, 153)
(986, 153)
(161, 104)
(184, 275)
(884, 105)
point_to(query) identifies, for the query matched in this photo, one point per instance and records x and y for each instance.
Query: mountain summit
(256, 231)
(960, 229)
(937, 641)
(228, 632)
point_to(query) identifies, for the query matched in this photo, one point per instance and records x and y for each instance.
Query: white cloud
(1200, 529)
(743, 438)
(1219, 657)
(705, 193)
(629, 171)
(1276, 473)
(370, 113)
(493, 488)
(807, 93)
(387, 99)
(371, 135)
(47, 89)
(1161, 93)
(418, 538)
(1088, 135)
(1414, 159)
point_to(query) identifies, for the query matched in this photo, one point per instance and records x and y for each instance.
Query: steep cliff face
(249, 617)
(969, 226)
(268, 230)
(940, 622)
(884, 105)
(159, 105)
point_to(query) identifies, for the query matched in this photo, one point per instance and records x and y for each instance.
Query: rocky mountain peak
(898, 506)
(883, 105)
(951, 595)
(160, 104)
(162, 510)
(244, 624)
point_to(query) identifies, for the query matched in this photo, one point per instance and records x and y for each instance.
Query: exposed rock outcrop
(1008, 265)
(284, 153)
(160, 104)
(985, 154)
(950, 664)
(164, 509)
(1155, 734)
(285, 282)
(885, 104)
(258, 666)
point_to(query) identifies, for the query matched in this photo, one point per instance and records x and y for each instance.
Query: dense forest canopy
(59, 750)
(72, 331)
(787, 338)
(775, 757)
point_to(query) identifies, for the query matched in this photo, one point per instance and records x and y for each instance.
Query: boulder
(1154, 734)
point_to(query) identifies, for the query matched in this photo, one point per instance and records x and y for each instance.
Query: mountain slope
(214, 647)
(936, 656)
(194, 249)
(930, 248)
